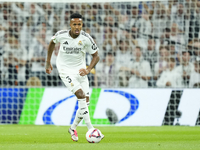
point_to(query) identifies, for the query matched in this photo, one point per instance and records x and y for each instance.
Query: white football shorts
(75, 82)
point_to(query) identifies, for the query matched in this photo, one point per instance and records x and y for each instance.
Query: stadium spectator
(194, 48)
(88, 17)
(185, 68)
(107, 71)
(107, 9)
(165, 37)
(133, 21)
(180, 19)
(38, 54)
(123, 57)
(4, 17)
(150, 54)
(172, 7)
(169, 77)
(27, 32)
(124, 22)
(140, 70)
(95, 17)
(177, 36)
(134, 17)
(121, 32)
(109, 22)
(110, 41)
(152, 6)
(195, 75)
(49, 15)
(144, 26)
(161, 65)
(187, 20)
(21, 57)
(148, 7)
(194, 16)
(20, 12)
(64, 19)
(160, 20)
(173, 53)
(133, 41)
(13, 28)
(10, 59)
(35, 12)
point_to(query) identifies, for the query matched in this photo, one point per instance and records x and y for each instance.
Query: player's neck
(73, 35)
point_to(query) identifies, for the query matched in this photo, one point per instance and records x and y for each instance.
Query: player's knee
(80, 94)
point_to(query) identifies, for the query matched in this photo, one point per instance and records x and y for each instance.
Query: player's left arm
(93, 63)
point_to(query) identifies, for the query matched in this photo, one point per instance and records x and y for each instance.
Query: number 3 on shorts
(69, 79)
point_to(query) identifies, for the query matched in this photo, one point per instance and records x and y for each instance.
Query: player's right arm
(55, 39)
(48, 65)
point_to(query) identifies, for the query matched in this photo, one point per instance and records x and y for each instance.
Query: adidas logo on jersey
(65, 42)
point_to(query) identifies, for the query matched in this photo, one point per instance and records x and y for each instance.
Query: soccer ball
(94, 136)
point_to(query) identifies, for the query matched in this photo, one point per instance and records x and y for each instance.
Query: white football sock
(88, 103)
(77, 119)
(85, 113)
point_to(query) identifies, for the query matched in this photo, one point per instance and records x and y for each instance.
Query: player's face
(76, 26)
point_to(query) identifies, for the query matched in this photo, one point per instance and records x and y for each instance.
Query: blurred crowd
(141, 44)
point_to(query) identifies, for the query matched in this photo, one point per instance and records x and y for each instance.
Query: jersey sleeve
(56, 38)
(91, 45)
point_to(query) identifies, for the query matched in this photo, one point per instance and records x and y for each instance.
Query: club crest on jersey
(80, 43)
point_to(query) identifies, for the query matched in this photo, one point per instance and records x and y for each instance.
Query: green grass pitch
(32, 137)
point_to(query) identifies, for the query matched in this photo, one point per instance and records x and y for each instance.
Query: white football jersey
(71, 56)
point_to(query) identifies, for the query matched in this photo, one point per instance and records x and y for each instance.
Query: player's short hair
(76, 15)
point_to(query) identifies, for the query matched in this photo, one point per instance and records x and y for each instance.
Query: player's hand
(84, 72)
(48, 67)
